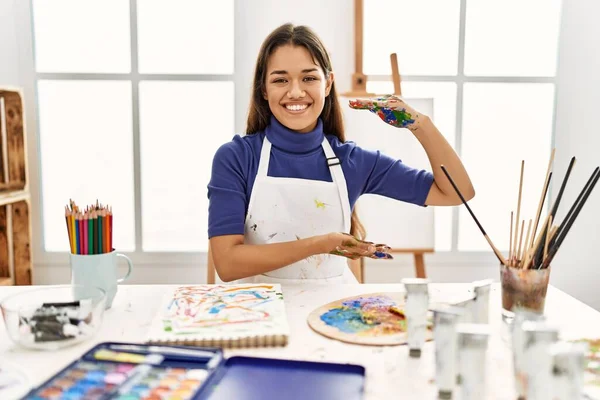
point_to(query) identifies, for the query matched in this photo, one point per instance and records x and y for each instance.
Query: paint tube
(417, 303)
(568, 366)
(472, 348)
(481, 304)
(537, 362)
(521, 315)
(445, 319)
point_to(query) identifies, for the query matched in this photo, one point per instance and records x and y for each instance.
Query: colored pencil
(89, 229)
(78, 250)
(85, 233)
(91, 234)
(110, 231)
(99, 231)
(73, 238)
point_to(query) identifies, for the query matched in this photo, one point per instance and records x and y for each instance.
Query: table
(390, 372)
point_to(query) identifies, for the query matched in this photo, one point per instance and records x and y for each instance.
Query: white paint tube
(445, 320)
(537, 361)
(568, 367)
(521, 315)
(472, 351)
(481, 303)
(416, 305)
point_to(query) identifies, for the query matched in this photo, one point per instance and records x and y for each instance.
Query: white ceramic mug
(98, 270)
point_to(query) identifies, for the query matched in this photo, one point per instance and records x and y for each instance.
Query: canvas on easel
(407, 228)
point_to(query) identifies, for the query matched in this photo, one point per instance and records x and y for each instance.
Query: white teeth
(296, 107)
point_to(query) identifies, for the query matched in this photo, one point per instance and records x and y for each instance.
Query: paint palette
(375, 319)
(127, 371)
(131, 372)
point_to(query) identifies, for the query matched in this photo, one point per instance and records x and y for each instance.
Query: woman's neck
(291, 141)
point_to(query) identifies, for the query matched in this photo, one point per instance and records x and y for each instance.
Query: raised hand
(350, 247)
(391, 109)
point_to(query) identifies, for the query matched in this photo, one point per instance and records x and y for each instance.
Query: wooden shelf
(13, 197)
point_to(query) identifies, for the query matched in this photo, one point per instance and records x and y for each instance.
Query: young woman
(281, 197)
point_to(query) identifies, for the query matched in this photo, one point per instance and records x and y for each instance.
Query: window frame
(29, 79)
(360, 80)
(197, 260)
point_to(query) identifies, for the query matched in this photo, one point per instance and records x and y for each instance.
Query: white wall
(576, 269)
(9, 56)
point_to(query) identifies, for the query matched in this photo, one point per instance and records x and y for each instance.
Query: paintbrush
(564, 228)
(496, 251)
(538, 255)
(574, 206)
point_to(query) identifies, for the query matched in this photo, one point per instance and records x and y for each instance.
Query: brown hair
(259, 112)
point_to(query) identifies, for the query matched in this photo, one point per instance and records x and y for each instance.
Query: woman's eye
(280, 80)
(310, 78)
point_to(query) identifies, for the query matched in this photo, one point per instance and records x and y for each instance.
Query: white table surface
(390, 372)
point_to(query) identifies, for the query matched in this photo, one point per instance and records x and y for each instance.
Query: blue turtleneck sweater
(300, 155)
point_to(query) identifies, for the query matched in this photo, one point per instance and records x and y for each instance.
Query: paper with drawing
(220, 313)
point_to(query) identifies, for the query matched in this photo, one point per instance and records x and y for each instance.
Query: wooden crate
(13, 155)
(15, 226)
(15, 249)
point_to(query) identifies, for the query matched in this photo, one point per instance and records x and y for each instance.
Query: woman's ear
(329, 83)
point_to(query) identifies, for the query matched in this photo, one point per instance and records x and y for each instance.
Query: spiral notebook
(239, 315)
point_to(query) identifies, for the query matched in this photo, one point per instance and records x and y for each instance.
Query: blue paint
(360, 302)
(216, 309)
(249, 292)
(348, 320)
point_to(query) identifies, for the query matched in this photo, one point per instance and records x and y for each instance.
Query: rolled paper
(521, 315)
(537, 361)
(472, 347)
(481, 303)
(415, 308)
(568, 366)
(445, 320)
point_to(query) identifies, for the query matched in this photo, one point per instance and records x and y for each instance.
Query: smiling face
(296, 87)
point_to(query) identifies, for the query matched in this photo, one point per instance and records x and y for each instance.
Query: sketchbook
(239, 315)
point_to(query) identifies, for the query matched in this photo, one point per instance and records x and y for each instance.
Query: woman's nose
(296, 91)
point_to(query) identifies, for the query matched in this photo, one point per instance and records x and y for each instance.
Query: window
(127, 115)
(492, 79)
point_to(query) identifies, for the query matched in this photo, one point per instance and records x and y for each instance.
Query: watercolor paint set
(128, 371)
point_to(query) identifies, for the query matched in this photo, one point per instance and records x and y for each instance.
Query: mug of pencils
(93, 259)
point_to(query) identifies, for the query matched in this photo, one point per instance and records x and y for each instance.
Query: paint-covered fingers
(353, 248)
(389, 101)
(390, 109)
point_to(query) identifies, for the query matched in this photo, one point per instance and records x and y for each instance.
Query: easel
(359, 89)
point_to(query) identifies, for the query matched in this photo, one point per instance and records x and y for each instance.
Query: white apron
(287, 209)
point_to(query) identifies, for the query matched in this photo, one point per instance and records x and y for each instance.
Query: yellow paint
(320, 204)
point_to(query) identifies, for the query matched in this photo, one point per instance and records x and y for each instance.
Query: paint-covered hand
(391, 109)
(350, 247)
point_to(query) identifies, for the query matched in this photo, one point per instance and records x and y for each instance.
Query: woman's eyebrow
(283, 72)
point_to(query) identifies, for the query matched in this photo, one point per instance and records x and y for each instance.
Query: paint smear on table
(367, 316)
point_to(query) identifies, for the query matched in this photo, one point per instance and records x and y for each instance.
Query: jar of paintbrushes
(525, 274)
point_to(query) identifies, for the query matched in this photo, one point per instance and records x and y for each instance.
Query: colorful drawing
(374, 319)
(194, 309)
